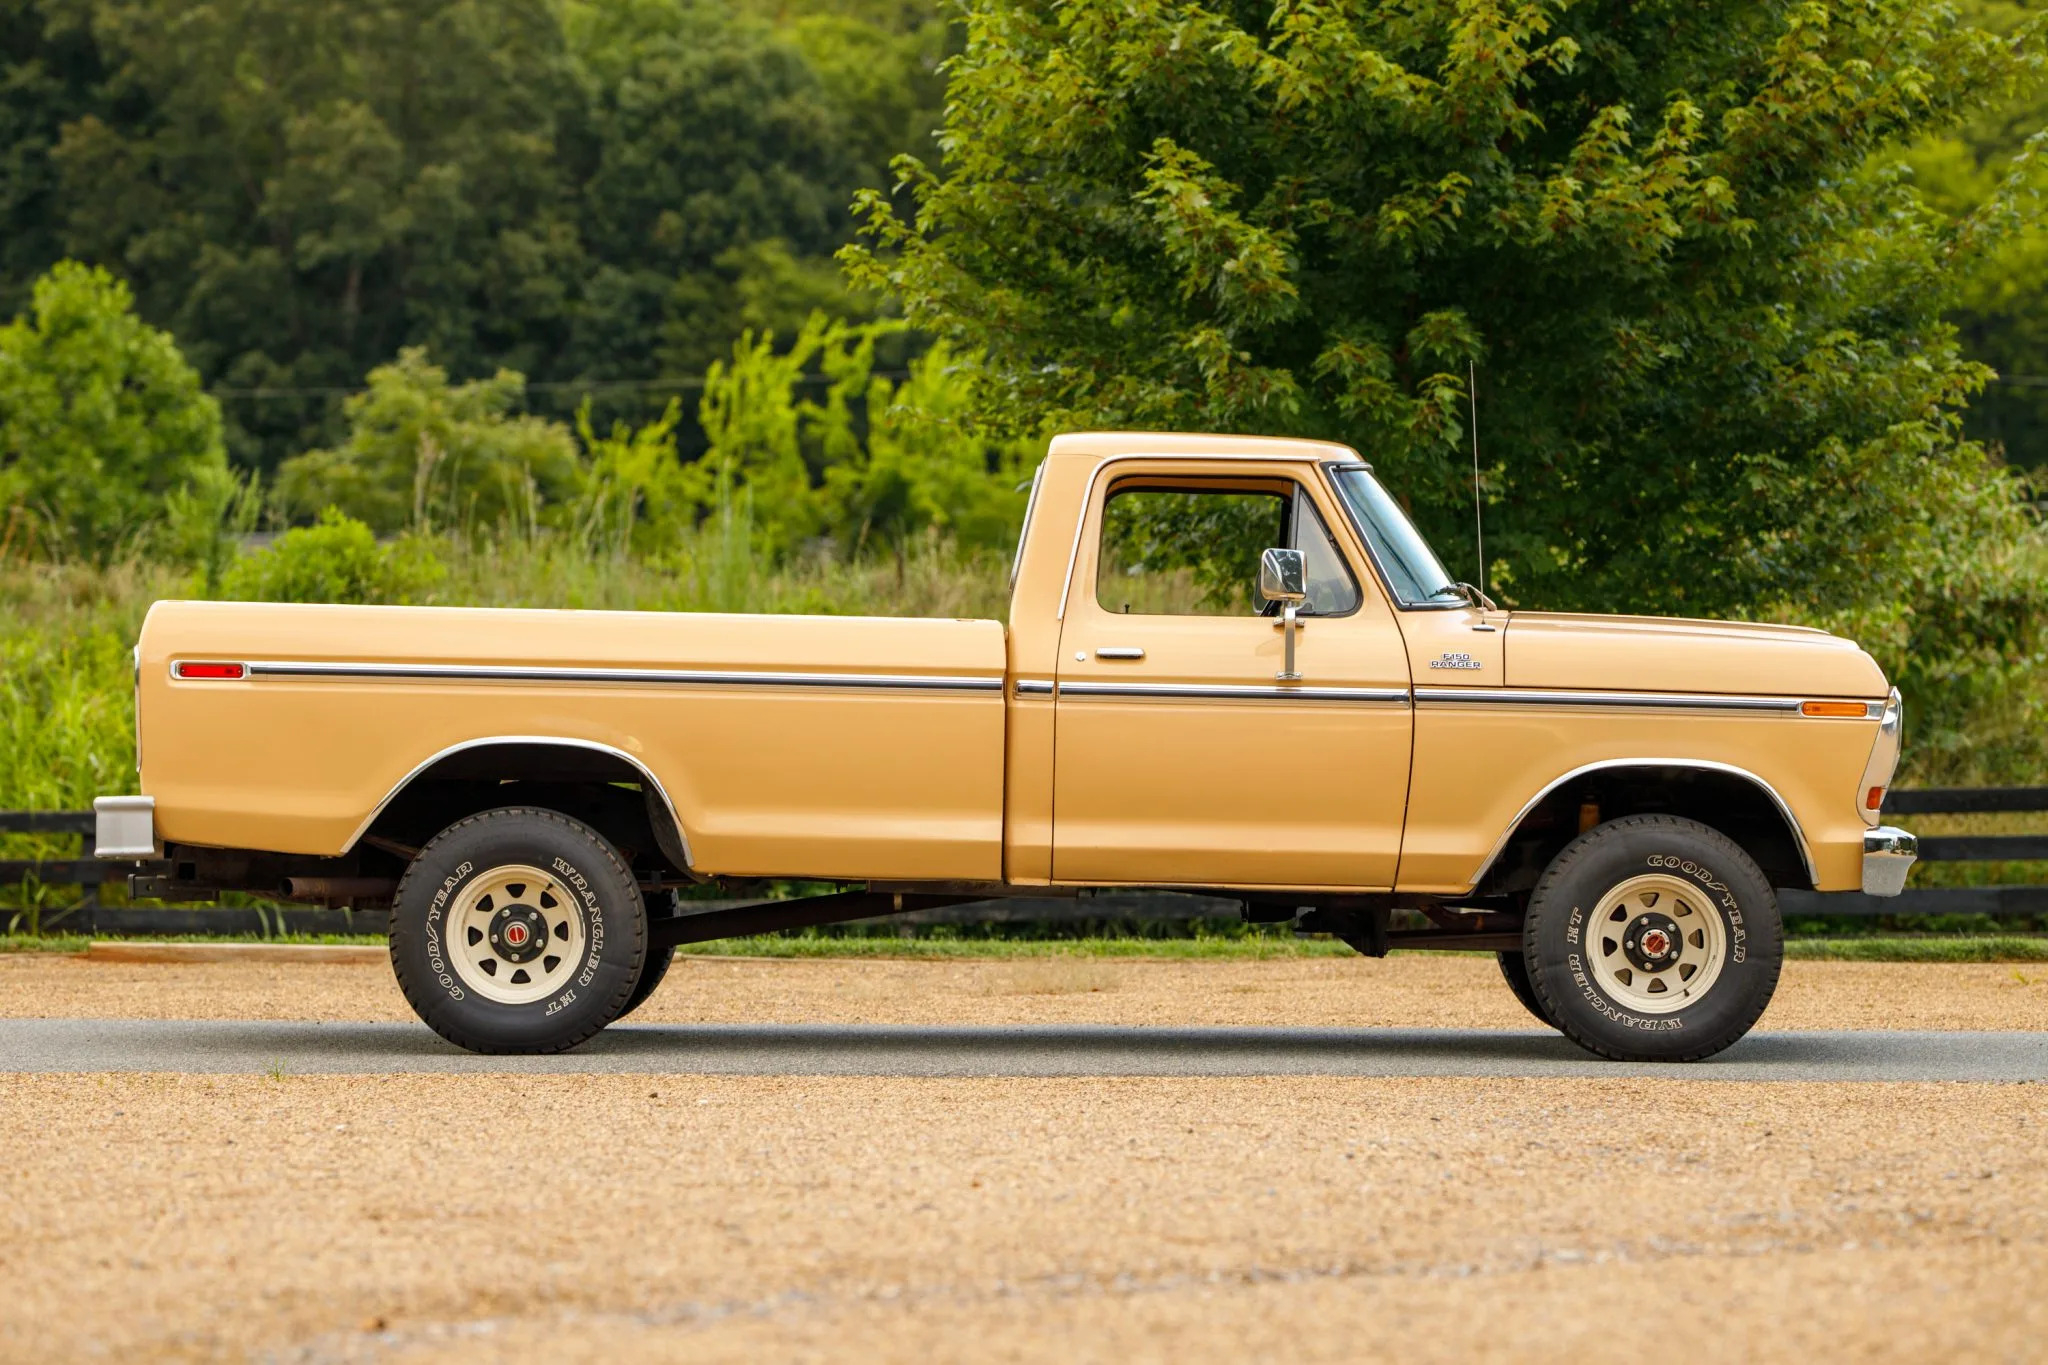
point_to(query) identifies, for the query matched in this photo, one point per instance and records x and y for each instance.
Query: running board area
(769, 917)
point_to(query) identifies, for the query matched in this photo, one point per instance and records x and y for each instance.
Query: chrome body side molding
(1650, 701)
(674, 677)
(1383, 696)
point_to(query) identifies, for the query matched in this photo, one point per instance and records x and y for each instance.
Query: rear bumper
(125, 827)
(1888, 855)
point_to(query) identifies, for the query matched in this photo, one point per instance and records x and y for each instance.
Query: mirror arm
(1289, 624)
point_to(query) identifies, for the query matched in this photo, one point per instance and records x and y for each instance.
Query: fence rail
(89, 916)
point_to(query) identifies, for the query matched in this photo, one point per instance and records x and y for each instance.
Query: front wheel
(1514, 969)
(518, 931)
(1653, 939)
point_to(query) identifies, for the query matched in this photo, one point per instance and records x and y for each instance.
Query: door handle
(1120, 652)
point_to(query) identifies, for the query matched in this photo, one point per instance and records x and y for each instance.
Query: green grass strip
(2004, 948)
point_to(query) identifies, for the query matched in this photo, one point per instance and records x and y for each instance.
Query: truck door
(1181, 756)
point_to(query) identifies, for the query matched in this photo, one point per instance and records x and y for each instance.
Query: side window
(1332, 591)
(1182, 552)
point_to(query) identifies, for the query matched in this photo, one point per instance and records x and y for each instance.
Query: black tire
(651, 972)
(600, 914)
(1514, 969)
(1560, 944)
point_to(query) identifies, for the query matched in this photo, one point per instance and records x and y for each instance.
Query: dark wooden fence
(89, 916)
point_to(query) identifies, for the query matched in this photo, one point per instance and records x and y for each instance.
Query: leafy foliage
(337, 559)
(576, 191)
(422, 452)
(1704, 307)
(100, 417)
(2001, 310)
(1693, 312)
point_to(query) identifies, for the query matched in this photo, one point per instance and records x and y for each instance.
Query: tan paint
(767, 781)
(822, 782)
(1652, 654)
(1227, 791)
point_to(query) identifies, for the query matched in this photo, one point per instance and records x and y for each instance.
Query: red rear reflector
(211, 672)
(1874, 799)
(1834, 708)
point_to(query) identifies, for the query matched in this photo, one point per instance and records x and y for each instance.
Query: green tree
(1713, 371)
(298, 188)
(2001, 309)
(100, 418)
(424, 453)
(337, 559)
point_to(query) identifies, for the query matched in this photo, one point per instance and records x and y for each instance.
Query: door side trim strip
(1386, 696)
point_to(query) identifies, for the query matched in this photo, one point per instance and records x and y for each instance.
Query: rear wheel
(1514, 969)
(1653, 939)
(651, 973)
(518, 930)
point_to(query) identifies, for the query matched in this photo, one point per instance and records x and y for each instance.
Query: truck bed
(786, 745)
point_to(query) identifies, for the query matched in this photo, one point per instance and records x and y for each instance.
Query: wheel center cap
(1652, 942)
(519, 933)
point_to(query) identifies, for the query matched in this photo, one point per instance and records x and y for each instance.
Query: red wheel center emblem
(1655, 944)
(515, 934)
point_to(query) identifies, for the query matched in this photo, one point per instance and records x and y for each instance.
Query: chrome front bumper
(125, 827)
(1888, 855)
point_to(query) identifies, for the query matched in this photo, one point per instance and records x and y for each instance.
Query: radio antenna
(1478, 518)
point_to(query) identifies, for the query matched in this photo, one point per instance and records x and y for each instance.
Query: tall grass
(67, 724)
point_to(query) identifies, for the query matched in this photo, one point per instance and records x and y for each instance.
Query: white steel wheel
(1656, 944)
(515, 935)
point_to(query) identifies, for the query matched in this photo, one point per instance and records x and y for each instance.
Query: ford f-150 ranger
(1231, 665)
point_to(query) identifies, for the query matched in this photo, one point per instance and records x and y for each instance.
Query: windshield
(1413, 572)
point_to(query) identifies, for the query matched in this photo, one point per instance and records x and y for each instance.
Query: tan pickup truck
(1231, 665)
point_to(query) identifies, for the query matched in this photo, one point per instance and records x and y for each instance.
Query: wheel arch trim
(1783, 807)
(654, 785)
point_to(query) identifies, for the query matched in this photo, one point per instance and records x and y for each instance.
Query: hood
(1662, 654)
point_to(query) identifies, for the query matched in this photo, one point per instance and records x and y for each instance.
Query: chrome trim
(1034, 687)
(1883, 763)
(1372, 558)
(1888, 855)
(275, 668)
(1397, 696)
(653, 782)
(1120, 652)
(1024, 531)
(125, 827)
(1698, 764)
(1088, 496)
(1651, 701)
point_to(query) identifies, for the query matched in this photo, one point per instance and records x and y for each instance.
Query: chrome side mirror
(1283, 578)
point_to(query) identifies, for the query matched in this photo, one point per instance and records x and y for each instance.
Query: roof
(1101, 443)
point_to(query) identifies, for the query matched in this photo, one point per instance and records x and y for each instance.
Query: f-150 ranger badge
(1450, 660)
